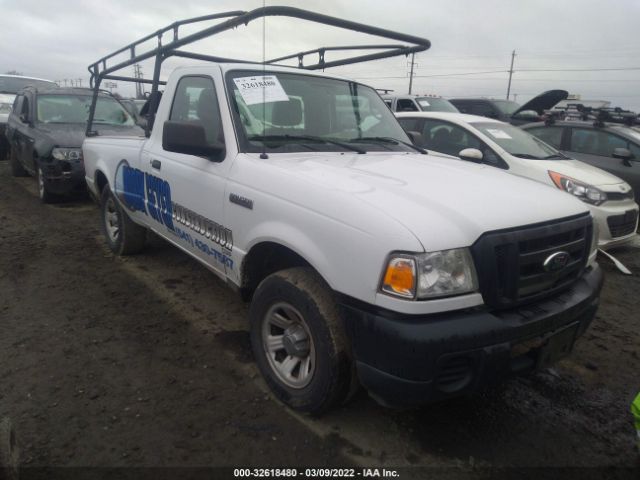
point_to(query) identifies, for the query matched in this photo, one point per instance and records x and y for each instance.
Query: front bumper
(405, 360)
(63, 177)
(613, 229)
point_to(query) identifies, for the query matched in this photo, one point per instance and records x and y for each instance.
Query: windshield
(309, 113)
(431, 104)
(75, 109)
(506, 106)
(517, 142)
(15, 84)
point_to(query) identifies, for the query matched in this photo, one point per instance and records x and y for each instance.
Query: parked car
(45, 131)
(609, 146)
(10, 85)
(134, 106)
(510, 148)
(365, 260)
(418, 103)
(508, 110)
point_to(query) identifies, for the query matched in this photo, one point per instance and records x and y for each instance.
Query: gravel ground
(145, 361)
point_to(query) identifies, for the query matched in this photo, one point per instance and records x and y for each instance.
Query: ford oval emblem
(556, 261)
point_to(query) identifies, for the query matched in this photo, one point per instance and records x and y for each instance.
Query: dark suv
(610, 146)
(509, 111)
(46, 128)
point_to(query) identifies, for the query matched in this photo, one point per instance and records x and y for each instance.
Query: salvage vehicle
(418, 103)
(607, 143)
(501, 145)
(10, 85)
(365, 261)
(45, 131)
(508, 110)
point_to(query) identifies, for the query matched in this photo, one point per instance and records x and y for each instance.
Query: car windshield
(432, 104)
(310, 113)
(517, 142)
(15, 84)
(75, 109)
(506, 106)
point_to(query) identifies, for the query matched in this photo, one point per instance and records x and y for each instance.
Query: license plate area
(557, 346)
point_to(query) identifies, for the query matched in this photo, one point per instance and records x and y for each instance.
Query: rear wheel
(124, 237)
(17, 170)
(299, 341)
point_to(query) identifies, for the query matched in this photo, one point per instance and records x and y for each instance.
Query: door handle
(156, 164)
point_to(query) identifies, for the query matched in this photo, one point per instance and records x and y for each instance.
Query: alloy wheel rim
(112, 220)
(288, 345)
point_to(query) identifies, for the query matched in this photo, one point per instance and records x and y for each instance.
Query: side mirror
(190, 139)
(622, 154)
(471, 154)
(416, 138)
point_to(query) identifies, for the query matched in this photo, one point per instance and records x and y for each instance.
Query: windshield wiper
(311, 138)
(526, 155)
(556, 156)
(394, 141)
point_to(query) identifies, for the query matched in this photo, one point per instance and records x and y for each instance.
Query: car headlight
(5, 107)
(430, 275)
(586, 193)
(67, 153)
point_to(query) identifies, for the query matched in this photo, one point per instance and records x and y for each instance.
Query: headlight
(584, 192)
(67, 153)
(5, 107)
(430, 275)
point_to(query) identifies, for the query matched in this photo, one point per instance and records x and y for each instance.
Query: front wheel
(299, 342)
(123, 236)
(43, 193)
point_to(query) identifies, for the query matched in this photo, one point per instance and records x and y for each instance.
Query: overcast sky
(59, 39)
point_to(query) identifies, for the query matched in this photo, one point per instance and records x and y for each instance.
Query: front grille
(621, 225)
(510, 263)
(618, 196)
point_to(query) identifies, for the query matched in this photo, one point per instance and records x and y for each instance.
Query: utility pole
(513, 56)
(137, 71)
(413, 55)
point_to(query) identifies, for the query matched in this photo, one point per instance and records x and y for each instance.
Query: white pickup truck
(366, 261)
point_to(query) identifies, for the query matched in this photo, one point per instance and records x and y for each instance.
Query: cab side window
(406, 105)
(195, 101)
(595, 142)
(448, 138)
(550, 135)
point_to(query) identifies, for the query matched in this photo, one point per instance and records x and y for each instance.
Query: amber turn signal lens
(400, 277)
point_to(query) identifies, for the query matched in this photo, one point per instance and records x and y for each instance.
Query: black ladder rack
(102, 70)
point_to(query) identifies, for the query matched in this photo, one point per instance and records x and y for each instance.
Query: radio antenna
(264, 155)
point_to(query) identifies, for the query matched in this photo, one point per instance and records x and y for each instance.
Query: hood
(544, 101)
(583, 172)
(444, 203)
(72, 135)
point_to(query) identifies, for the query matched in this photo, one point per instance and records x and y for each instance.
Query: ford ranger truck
(366, 261)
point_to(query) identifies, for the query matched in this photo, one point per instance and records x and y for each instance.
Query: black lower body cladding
(62, 177)
(408, 360)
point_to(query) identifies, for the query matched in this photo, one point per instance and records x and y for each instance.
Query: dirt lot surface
(145, 361)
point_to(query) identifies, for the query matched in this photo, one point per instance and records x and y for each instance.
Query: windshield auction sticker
(257, 89)
(496, 133)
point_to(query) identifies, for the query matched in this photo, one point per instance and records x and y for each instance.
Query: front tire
(9, 452)
(299, 342)
(124, 237)
(43, 193)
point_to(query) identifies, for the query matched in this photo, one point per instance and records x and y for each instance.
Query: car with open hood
(46, 129)
(504, 146)
(508, 110)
